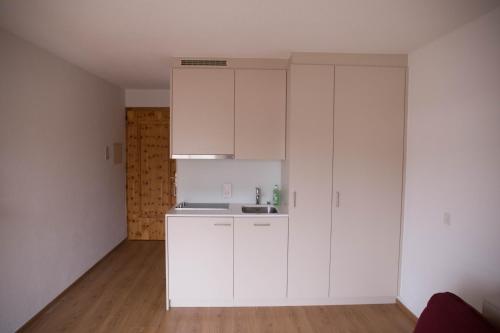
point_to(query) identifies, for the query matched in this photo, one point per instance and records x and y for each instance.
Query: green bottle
(276, 196)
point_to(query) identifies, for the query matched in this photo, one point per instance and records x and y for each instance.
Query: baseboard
(58, 297)
(406, 311)
(280, 302)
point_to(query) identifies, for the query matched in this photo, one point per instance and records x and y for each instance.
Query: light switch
(447, 218)
(226, 191)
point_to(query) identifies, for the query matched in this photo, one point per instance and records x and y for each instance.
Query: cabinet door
(200, 251)
(260, 257)
(367, 175)
(310, 179)
(260, 112)
(203, 111)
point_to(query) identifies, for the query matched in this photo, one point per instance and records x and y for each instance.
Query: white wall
(201, 180)
(147, 97)
(453, 165)
(62, 205)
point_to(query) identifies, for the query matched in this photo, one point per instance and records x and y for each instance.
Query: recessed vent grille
(198, 62)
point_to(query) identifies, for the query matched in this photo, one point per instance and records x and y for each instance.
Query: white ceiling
(131, 42)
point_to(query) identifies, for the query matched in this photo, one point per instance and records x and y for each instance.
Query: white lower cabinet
(200, 259)
(207, 257)
(260, 258)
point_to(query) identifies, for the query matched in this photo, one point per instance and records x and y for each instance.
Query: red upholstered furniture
(446, 312)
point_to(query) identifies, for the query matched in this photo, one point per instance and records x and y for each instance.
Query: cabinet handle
(222, 224)
(337, 200)
(262, 224)
(294, 199)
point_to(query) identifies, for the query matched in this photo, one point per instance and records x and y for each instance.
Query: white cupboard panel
(260, 112)
(260, 257)
(310, 179)
(200, 261)
(202, 111)
(367, 175)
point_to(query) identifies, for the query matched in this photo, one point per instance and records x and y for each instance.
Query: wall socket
(226, 190)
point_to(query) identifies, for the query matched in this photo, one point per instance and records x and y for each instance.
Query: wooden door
(367, 180)
(200, 259)
(150, 172)
(260, 113)
(202, 111)
(260, 257)
(310, 179)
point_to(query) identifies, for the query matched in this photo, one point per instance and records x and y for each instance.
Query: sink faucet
(257, 195)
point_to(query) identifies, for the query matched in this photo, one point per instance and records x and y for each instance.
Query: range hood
(203, 156)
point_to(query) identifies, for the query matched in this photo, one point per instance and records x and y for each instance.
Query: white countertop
(233, 211)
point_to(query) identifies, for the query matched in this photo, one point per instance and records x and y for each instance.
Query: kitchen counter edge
(233, 211)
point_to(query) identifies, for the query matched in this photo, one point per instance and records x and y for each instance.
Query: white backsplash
(202, 180)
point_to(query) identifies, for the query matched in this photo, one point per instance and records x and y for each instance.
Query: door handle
(294, 199)
(262, 224)
(222, 224)
(337, 199)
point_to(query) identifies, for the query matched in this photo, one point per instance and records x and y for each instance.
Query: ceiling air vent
(201, 62)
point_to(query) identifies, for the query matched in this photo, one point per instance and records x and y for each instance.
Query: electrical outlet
(226, 191)
(447, 218)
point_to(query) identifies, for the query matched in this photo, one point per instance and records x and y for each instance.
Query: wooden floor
(126, 293)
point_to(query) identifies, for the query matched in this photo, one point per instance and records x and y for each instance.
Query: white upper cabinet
(367, 180)
(310, 153)
(202, 111)
(260, 113)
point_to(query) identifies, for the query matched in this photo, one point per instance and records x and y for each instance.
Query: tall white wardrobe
(343, 177)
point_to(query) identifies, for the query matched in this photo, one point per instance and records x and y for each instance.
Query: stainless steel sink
(259, 210)
(201, 206)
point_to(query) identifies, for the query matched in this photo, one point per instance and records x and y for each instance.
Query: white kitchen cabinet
(200, 265)
(202, 111)
(260, 113)
(367, 180)
(260, 257)
(309, 165)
